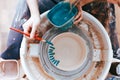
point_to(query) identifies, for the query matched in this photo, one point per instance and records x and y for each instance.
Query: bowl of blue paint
(62, 15)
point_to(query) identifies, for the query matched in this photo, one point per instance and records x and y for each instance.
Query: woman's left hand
(78, 17)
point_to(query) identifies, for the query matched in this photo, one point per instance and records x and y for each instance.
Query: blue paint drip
(52, 58)
(52, 47)
(50, 43)
(57, 62)
(52, 53)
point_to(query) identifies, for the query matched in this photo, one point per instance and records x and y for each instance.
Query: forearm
(33, 6)
(115, 2)
(84, 2)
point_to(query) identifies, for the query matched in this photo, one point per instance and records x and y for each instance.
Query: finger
(119, 3)
(78, 20)
(32, 34)
(79, 13)
(27, 30)
(27, 27)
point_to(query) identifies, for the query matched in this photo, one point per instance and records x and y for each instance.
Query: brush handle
(26, 34)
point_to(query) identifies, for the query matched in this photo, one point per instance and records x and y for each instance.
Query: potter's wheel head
(82, 58)
(95, 63)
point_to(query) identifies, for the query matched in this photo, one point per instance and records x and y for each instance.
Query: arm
(115, 2)
(33, 22)
(33, 6)
(84, 2)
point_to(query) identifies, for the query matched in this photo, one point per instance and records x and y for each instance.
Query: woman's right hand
(31, 26)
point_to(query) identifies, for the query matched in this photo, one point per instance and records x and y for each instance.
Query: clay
(70, 49)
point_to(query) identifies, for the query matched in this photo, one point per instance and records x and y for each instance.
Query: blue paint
(62, 16)
(50, 43)
(52, 58)
(50, 50)
(59, 20)
(52, 47)
(52, 53)
(57, 62)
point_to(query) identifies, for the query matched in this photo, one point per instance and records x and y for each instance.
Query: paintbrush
(28, 35)
(51, 48)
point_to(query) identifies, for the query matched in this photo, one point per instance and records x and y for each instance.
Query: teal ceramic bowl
(62, 15)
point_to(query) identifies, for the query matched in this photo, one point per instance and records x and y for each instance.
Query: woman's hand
(34, 21)
(81, 3)
(32, 25)
(115, 2)
(78, 17)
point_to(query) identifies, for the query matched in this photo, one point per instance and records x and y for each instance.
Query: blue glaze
(52, 53)
(50, 50)
(57, 62)
(50, 43)
(62, 16)
(65, 16)
(52, 58)
(52, 47)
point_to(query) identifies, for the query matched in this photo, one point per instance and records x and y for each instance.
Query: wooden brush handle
(26, 34)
